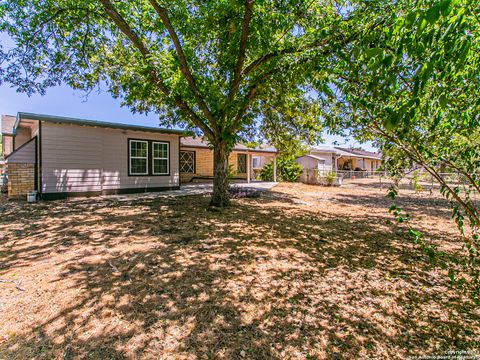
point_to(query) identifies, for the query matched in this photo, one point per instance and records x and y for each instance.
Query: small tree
(409, 87)
(225, 69)
(287, 170)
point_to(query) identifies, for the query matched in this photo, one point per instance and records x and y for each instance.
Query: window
(242, 163)
(187, 162)
(160, 158)
(138, 157)
(255, 162)
(148, 157)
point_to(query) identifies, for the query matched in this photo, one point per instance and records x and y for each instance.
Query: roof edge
(97, 123)
(185, 146)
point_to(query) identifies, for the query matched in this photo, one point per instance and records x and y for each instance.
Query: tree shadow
(426, 206)
(264, 279)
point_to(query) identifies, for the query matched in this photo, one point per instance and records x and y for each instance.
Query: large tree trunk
(220, 197)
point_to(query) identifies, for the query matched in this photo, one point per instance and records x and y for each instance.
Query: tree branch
(253, 88)
(415, 156)
(249, 96)
(162, 13)
(242, 49)
(137, 42)
(288, 51)
(124, 27)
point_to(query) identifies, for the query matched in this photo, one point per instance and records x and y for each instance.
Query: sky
(64, 101)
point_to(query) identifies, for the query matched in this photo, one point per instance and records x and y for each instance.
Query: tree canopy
(409, 87)
(226, 69)
(412, 88)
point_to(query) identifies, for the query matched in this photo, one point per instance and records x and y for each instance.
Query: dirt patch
(304, 272)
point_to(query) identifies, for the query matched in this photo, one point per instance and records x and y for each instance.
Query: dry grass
(302, 273)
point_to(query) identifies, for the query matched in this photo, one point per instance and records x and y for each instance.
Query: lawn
(302, 272)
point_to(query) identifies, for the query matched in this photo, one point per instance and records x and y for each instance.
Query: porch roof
(313, 157)
(199, 142)
(344, 152)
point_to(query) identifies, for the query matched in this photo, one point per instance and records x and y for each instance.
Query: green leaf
(443, 101)
(373, 52)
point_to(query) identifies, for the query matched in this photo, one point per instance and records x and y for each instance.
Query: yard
(304, 272)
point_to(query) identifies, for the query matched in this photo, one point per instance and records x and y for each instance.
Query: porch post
(274, 168)
(248, 168)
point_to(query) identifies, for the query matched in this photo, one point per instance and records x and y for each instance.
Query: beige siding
(22, 135)
(328, 157)
(372, 165)
(309, 163)
(84, 158)
(24, 155)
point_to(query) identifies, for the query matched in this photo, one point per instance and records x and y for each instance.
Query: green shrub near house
(287, 170)
(331, 177)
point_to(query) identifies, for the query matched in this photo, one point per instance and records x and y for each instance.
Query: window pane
(139, 166)
(242, 163)
(187, 162)
(138, 149)
(160, 150)
(160, 166)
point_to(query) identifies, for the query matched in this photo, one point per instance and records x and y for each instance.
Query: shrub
(287, 170)
(331, 177)
(415, 182)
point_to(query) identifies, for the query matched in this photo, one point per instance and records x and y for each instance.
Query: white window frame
(130, 157)
(257, 159)
(160, 158)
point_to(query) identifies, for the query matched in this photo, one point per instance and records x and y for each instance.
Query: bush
(331, 177)
(287, 170)
(415, 182)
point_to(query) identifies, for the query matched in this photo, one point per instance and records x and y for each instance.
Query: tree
(224, 69)
(411, 88)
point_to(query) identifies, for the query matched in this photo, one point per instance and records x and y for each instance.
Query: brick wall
(21, 179)
(204, 164)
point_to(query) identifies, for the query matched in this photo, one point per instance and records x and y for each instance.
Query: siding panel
(83, 158)
(25, 155)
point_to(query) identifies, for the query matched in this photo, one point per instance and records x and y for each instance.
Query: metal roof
(346, 152)
(96, 123)
(361, 153)
(313, 157)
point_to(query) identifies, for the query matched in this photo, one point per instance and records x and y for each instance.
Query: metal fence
(415, 180)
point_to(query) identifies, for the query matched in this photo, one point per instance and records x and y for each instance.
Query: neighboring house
(327, 158)
(196, 160)
(61, 157)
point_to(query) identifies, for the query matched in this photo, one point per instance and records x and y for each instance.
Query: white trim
(130, 157)
(160, 158)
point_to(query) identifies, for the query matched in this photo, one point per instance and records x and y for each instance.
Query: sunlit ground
(304, 272)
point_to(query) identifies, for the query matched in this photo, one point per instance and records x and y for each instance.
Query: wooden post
(274, 169)
(248, 168)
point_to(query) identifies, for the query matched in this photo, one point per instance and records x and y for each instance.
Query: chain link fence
(416, 180)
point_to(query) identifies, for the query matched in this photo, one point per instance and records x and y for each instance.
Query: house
(326, 158)
(196, 160)
(61, 157)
